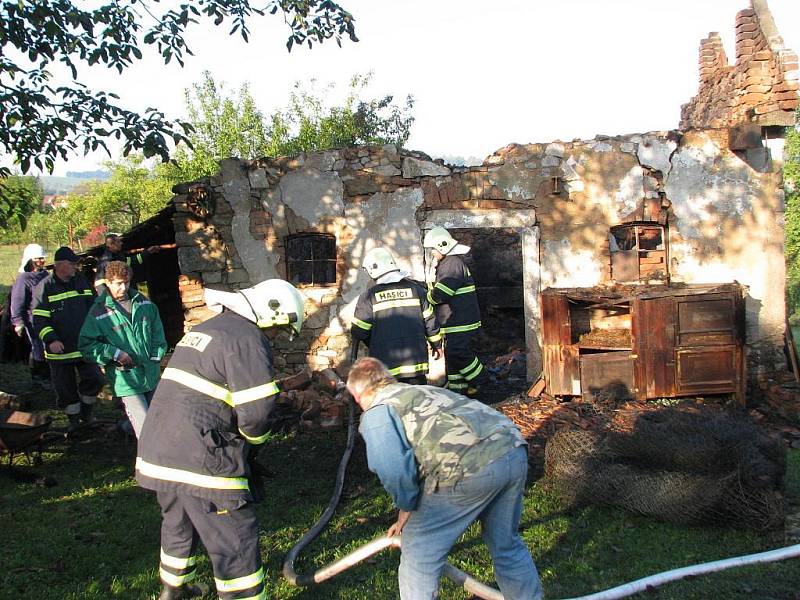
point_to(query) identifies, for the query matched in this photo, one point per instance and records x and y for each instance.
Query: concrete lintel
(490, 218)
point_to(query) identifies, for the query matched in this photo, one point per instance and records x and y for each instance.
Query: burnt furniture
(644, 342)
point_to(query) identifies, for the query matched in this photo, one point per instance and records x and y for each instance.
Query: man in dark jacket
(393, 318)
(209, 409)
(61, 302)
(453, 294)
(113, 251)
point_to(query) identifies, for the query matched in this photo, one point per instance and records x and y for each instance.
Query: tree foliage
(41, 121)
(791, 178)
(19, 197)
(230, 125)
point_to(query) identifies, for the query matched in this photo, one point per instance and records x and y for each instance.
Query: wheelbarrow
(22, 431)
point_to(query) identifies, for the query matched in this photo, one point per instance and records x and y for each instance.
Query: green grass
(9, 263)
(95, 534)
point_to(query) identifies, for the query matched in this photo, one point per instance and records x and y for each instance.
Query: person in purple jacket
(31, 272)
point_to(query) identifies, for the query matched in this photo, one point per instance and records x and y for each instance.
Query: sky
(483, 73)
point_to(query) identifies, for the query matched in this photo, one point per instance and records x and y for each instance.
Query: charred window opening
(311, 259)
(638, 252)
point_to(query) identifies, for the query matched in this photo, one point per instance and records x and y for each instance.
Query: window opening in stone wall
(311, 259)
(638, 252)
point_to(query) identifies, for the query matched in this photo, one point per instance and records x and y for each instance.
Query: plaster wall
(724, 219)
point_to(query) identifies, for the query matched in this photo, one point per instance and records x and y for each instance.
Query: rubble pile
(310, 400)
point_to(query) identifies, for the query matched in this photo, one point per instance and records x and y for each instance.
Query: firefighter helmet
(439, 239)
(276, 303)
(379, 261)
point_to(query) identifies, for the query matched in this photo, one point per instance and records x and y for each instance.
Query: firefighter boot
(87, 408)
(73, 412)
(187, 590)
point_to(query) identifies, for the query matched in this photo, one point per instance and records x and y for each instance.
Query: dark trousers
(73, 380)
(464, 369)
(229, 535)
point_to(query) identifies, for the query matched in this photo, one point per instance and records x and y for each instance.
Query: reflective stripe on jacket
(453, 294)
(213, 401)
(59, 309)
(397, 323)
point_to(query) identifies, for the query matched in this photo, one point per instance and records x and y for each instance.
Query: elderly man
(61, 302)
(446, 461)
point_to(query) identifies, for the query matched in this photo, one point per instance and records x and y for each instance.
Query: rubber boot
(73, 412)
(74, 423)
(87, 408)
(187, 590)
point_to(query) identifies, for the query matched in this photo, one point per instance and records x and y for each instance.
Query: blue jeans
(136, 408)
(493, 496)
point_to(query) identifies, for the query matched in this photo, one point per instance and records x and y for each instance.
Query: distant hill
(64, 185)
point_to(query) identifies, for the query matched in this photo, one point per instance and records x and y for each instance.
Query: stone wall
(724, 220)
(762, 85)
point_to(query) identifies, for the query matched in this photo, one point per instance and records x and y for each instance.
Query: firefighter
(61, 302)
(395, 321)
(113, 251)
(208, 414)
(453, 295)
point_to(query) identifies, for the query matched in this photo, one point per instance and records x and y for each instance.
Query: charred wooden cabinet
(684, 341)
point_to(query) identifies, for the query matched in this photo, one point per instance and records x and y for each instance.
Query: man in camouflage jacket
(447, 461)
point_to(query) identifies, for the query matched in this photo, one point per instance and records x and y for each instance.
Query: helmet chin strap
(253, 310)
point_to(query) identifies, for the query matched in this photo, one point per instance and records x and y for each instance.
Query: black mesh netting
(685, 467)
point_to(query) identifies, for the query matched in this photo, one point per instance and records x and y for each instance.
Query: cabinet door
(707, 350)
(653, 330)
(560, 357)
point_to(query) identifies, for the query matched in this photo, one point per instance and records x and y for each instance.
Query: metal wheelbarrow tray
(21, 430)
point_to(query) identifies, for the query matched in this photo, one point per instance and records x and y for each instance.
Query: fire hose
(470, 584)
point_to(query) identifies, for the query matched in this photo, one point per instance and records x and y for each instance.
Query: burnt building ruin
(691, 209)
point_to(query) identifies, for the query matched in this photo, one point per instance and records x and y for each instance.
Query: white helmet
(378, 262)
(276, 303)
(31, 251)
(439, 239)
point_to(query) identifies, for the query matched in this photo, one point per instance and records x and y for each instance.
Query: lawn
(9, 263)
(89, 532)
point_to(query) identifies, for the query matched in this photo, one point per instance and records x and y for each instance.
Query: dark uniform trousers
(75, 381)
(230, 537)
(465, 372)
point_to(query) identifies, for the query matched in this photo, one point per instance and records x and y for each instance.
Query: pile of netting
(692, 467)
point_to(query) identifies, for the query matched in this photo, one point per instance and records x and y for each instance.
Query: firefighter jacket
(134, 261)
(59, 309)
(109, 329)
(212, 402)
(453, 294)
(394, 320)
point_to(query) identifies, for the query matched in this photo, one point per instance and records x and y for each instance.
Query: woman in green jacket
(124, 334)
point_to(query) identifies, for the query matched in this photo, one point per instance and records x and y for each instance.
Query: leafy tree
(19, 197)
(226, 126)
(134, 192)
(791, 178)
(309, 123)
(222, 126)
(42, 121)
